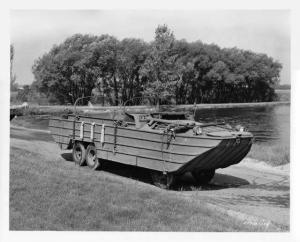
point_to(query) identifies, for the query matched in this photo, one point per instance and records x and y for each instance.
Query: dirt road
(249, 192)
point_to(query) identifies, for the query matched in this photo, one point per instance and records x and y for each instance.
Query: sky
(34, 32)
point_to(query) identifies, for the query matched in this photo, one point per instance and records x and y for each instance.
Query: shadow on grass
(67, 156)
(183, 183)
(220, 181)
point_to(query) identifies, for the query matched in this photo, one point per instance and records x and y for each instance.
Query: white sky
(33, 32)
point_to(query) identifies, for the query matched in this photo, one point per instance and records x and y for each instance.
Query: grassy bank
(49, 193)
(274, 155)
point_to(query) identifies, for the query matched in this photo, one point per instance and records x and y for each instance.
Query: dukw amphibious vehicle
(166, 143)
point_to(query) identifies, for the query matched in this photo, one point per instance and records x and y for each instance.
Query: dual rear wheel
(83, 155)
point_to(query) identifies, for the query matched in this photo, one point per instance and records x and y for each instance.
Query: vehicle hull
(152, 149)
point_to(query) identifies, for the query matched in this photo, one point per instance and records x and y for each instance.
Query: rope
(117, 123)
(170, 133)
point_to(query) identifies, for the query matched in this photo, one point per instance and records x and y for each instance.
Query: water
(269, 125)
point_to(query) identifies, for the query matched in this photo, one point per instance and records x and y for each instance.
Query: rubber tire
(79, 154)
(91, 157)
(203, 177)
(164, 181)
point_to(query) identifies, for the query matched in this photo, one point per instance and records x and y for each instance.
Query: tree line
(173, 70)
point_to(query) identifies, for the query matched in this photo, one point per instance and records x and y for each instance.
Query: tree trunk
(116, 91)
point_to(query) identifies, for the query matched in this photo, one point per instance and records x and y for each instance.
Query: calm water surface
(270, 125)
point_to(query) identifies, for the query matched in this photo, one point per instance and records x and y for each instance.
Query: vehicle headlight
(240, 128)
(197, 130)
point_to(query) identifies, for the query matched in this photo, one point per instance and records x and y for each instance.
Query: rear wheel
(79, 153)
(203, 177)
(161, 180)
(91, 157)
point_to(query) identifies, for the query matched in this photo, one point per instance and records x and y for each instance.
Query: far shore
(38, 109)
(232, 105)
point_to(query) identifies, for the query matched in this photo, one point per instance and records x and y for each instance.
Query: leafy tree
(106, 62)
(160, 66)
(24, 93)
(13, 84)
(65, 71)
(132, 56)
(167, 69)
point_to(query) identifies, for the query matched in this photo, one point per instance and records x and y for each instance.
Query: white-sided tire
(79, 153)
(91, 157)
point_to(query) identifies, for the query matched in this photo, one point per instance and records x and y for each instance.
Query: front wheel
(203, 177)
(91, 157)
(161, 180)
(79, 153)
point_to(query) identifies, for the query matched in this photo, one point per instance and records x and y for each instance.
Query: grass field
(53, 194)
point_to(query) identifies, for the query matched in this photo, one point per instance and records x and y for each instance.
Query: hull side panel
(150, 149)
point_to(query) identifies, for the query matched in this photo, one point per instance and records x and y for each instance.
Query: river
(270, 125)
